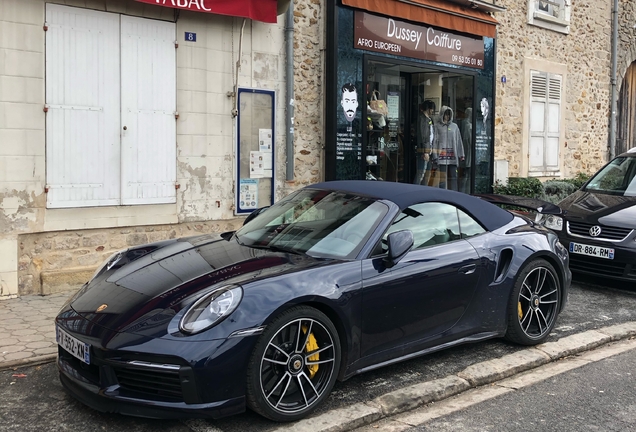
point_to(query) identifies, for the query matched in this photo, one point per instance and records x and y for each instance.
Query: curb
(31, 361)
(487, 372)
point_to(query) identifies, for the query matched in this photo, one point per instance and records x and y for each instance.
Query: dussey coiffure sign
(386, 35)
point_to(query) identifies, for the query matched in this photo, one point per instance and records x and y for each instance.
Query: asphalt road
(599, 396)
(37, 402)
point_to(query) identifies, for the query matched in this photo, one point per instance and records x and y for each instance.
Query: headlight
(552, 222)
(211, 309)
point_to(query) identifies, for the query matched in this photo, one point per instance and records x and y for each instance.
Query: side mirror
(254, 214)
(400, 243)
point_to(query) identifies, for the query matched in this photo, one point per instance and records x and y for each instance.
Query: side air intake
(505, 258)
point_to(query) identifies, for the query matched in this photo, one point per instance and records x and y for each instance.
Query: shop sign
(260, 10)
(390, 36)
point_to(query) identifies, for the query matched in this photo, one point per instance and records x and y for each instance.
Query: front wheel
(534, 303)
(294, 365)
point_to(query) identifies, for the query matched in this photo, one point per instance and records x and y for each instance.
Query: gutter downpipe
(289, 112)
(612, 134)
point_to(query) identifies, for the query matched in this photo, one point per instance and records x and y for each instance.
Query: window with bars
(545, 122)
(550, 14)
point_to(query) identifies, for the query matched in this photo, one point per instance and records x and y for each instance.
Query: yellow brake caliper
(519, 310)
(312, 345)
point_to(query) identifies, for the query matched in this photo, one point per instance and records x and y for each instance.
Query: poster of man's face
(349, 101)
(485, 108)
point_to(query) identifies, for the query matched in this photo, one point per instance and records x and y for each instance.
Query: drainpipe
(612, 134)
(289, 92)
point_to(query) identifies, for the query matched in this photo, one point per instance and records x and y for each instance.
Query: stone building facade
(44, 249)
(580, 53)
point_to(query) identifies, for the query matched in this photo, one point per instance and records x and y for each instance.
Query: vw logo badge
(595, 231)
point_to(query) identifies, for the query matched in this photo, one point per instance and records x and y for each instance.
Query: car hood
(155, 286)
(605, 209)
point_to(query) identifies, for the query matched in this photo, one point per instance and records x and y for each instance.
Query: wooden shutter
(82, 94)
(148, 111)
(545, 118)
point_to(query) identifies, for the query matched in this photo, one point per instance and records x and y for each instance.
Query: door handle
(468, 269)
(125, 127)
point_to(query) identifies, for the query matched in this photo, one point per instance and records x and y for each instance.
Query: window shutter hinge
(46, 189)
(45, 27)
(176, 44)
(177, 186)
(46, 108)
(176, 115)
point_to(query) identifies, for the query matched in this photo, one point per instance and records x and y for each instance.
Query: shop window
(545, 123)
(550, 14)
(111, 102)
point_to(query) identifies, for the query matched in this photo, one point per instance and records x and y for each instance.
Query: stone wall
(585, 52)
(44, 250)
(58, 261)
(308, 94)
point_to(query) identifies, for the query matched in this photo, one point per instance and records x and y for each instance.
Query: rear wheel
(534, 303)
(294, 365)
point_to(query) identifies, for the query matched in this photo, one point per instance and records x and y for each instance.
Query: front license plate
(74, 346)
(595, 251)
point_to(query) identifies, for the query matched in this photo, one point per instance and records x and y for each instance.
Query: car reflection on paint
(334, 280)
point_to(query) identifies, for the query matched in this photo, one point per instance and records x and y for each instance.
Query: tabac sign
(386, 35)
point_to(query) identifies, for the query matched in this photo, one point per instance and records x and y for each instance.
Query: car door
(428, 291)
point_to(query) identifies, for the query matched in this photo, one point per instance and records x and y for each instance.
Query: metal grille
(607, 233)
(596, 266)
(164, 384)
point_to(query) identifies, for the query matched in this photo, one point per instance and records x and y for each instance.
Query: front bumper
(622, 267)
(158, 378)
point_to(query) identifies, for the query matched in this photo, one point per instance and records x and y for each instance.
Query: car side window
(431, 224)
(469, 227)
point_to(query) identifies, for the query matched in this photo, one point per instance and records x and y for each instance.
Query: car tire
(294, 365)
(534, 303)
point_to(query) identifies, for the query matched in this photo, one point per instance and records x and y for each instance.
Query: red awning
(259, 10)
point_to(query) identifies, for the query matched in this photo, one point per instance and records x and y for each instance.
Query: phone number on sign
(467, 60)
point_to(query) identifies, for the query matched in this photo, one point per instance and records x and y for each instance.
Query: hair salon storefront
(410, 90)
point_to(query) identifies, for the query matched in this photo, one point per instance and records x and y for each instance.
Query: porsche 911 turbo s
(336, 279)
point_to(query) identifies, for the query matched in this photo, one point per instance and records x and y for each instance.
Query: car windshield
(616, 178)
(319, 223)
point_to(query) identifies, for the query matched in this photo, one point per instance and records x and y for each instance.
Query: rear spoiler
(533, 204)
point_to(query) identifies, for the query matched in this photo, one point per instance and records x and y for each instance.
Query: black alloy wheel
(294, 365)
(534, 303)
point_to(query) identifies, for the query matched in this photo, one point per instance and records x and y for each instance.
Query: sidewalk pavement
(28, 337)
(27, 331)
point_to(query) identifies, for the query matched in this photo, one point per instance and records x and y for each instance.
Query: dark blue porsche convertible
(336, 279)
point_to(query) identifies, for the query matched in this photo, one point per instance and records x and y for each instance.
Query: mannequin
(425, 137)
(448, 149)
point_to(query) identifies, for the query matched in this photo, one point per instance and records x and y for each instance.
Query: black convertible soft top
(404, 195)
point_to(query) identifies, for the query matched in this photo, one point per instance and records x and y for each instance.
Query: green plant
(520, 186)
(578, 180)
(555, 191)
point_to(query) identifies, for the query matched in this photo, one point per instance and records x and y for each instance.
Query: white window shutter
(553, 131)
(148, 111)
(538, 102)
(82, 95)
